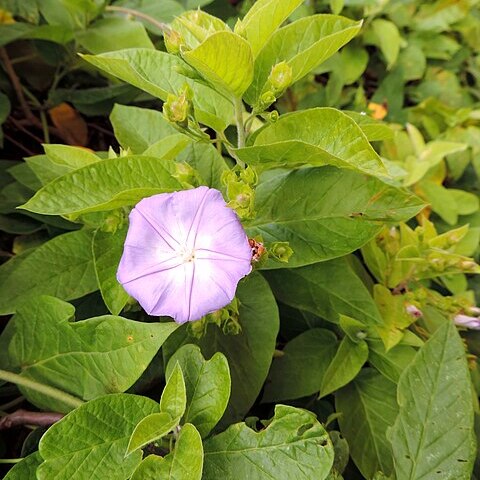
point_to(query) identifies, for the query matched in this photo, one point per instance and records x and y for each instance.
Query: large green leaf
(320, 136)
(87, 359)
(62, 267)
(254, 26)
(338, 211)
(294, 445)
(249, 353)
(299, 371)
(159, 74)
(327, 289)
(303, 44)
(368, 407)
(207, 384)
(107, 250)
(139, 128)
(184, 463)
(96, 450)
(26, 469)
(433, 435)
(174, 395)
(225, 60)
(105, 185)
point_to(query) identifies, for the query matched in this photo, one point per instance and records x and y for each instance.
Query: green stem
(10, 460)
(46, 133)
(51, 392)
(239, 122)
(130, 11)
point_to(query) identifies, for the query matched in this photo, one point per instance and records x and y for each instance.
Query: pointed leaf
(174, 395)
(105, 185)
(292, 142)
(304, 45)
(225, 60)
(345, 366)
(151, 428)
(326, 223)
(433, 434)
(207, 386)
(254, 27)
(159, 74)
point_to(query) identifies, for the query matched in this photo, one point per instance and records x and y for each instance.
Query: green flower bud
(249, 176)
(173, 41)
(177, 108)
(186, 175)
(280, 78)
(241, 197)
(280, 251)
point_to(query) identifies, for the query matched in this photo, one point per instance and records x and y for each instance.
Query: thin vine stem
(135, 13)
(51, 392)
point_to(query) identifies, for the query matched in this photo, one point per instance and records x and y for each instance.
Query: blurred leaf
(25, 469)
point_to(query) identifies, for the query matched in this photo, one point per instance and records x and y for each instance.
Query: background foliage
(346, 135)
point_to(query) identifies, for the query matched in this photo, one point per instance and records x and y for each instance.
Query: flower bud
(173, 41)
(186, 175)
(281, 251)
(280, 78)
(413, 311)
(467, 321)
(177, 108)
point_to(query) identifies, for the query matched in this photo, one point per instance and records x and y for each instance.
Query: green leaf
(345, 366)
(327, 289)
(372, 129)
(326, 223)
(390, 364)
(433, 434)
(62, 267)
(184, 463)
(207, 386)
(87, 359)
(249, 353)
(304, 45)
(73, 157)
(254, 26)
(225, 60)
(109, 34)
(206, 160)
(367, 408)
(159, 74)
(139, 128)
(107, 251)
(45, 169)
(174, 395)
(299, 371)
(94, 452)
(105, 185)
(292, 142)
(25, 469)
(385, 35)
(294, 445)
(151, 428)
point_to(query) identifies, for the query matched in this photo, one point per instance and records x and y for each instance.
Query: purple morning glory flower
(184, 254)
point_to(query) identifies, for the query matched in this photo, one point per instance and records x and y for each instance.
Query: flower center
(186, 254)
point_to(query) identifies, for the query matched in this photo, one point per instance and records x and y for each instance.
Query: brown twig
(18, 125)
(24, 417)
(17, 87)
